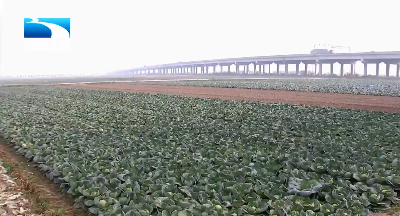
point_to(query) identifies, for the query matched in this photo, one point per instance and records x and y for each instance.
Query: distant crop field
(343, 86)
(122, 153)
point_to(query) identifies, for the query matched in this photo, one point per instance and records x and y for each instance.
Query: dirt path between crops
(364, 102)
(31, 192)
(12, 198)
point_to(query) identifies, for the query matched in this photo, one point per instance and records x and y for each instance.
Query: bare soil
(41, 196)
(362, 102)
(12, 199)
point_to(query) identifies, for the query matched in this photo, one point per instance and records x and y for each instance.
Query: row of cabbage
(343, 86)
(141, 154)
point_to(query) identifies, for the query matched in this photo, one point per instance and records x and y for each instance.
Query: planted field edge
(374, 194)
(341, 86)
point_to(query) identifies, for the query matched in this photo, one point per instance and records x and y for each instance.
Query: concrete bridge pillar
(214, 68)
(246, 69)
(377, 69)
(331, 70)
(229, 68)
(320, 69)
(305, 69)
(365, 68)
(387, 69)
(277, 68)
(315, 67)
(263, 69)
(297, 68)
(398, 70)
(352, 68)
(237, 68)
(269, 68)
(341, 69)
(286, 69)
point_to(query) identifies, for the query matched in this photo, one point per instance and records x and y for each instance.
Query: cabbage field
(138, 154)
(343, 86)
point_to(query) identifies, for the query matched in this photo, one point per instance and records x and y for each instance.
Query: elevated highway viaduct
(261, 63)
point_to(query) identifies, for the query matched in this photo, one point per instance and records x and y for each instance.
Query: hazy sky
(112, 35)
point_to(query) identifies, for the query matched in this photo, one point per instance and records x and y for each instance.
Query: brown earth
(43, 197)
(364, 102)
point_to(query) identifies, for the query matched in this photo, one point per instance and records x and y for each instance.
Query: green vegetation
(343, 86)
(141, 154)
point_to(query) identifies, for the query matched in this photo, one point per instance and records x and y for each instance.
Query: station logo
(47, 28)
